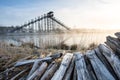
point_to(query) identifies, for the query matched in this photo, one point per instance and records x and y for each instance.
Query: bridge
(44, 23)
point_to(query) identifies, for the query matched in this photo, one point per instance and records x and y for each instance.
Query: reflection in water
(43, 40)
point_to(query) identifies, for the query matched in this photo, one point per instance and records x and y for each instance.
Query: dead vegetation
(11, 53)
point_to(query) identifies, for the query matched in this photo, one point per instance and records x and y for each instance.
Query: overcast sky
(73, 13)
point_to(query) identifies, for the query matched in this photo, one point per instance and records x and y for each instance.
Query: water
(43, 40)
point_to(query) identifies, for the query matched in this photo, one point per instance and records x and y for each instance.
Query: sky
(101, 14)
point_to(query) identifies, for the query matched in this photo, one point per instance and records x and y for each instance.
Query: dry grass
(10, 54)
(92, 46)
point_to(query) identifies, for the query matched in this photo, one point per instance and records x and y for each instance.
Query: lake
(52, 39)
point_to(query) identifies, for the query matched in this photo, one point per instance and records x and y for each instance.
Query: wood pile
(101, 63)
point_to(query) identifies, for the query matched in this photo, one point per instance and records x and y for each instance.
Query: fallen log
(27, 62)
(117, 34)
(104, 60)
(63, 67)
(113, 40)
(74, 77)
(10, 65)
(50, 71)
(4, 74)
(90, 68)
(57, 55)
(38, 73)
(112, 58)
(114, 44)
(49, 59)
(114, 48)
(82, 72)
(100, 70)
(16, 77)
(69, 70)
(35, 66)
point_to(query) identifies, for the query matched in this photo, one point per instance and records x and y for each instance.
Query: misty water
(43, 40)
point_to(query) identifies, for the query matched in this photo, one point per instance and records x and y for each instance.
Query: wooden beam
(63, 67)
(38, 73)
(27, 62)
(69, 70)
(100, 70)
(35, 66)
(48, 58)
(50, 71)
(16, 77)
(104, 60)
(112, 58)
(82, 72)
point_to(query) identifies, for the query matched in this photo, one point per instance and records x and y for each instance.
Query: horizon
(96, 14)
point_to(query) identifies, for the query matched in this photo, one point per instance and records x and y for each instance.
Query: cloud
(79, 13)
(94, 15)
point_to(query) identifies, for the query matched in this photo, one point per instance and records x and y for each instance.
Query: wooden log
(38, 73)
(16, 77)
(57, 55)
(11, 65)
(4, 74)
(69, 70)
(74, 77)
(27, 62)
(100, 70)
(50, 71)
(112, 58)
(111, 45)
(90, 68)
(82, 72)
(114, 48)
(113, 40)
(117, 34)
(63, 67)
(49, 59)
(118, 52)
(35, 66)
(105, 62)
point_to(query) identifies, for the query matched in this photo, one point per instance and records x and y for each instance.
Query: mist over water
(44, 40)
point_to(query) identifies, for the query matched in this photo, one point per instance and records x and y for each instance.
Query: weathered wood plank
(16, 77)
(114, 44)
(105, 62)
(49, 59)
(50, 71)
(115, 41)
(63, 67)
(114, 48)
(82, 72)
(35, 66)
(74, 76)
(100, 70)
(55, 56)
(112, 58)
(68, 74)
(11, 65)
(27, 62)
(117, 34)
(90, 68)
(38, 73)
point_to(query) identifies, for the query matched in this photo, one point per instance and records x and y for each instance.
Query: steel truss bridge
(44, 23)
